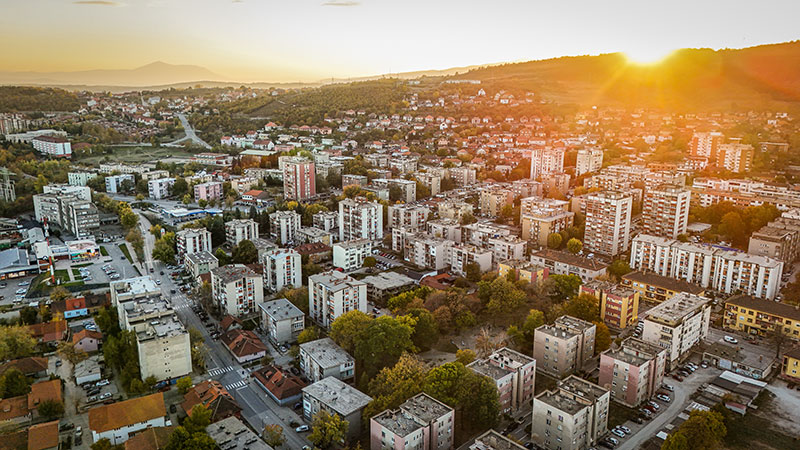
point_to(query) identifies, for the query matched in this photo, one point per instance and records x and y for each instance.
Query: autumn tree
(16, 342)
(273, 435)
(602, 337)
(583, 306)
(346, 329)
(327, 430)
(554, 240)
(574, 245)
(184, 384)
(394, 385)
(309, 334)
(465, 356)
(704, 430)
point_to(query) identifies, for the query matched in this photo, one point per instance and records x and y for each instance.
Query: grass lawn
(103, 251)
(756, 430)
(76, 273)
(62, 275)
(618, 414)
(543, 383)
(82, 265)
(137, 154)
(125, 252)
(73, 283)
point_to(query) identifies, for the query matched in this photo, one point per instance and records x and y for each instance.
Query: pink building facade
(208, 191)
(420, 423)
(513, 373)
(634, 372)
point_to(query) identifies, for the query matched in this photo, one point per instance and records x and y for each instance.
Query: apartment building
(117, 183)
(238, 230)
(419, 423)
(463, 176)
(492, 201)
(677, 325)
(710, 267)
(405, 190)
(208, 191)
(403, 165)
(513, 373)
(192, 240)
(331, 294)
(281, 321)
(546, 161)
(705, 144)
(453, 210)
(523, 270)
(760, 317)
(744, 193)
(588, 160)
(281, 269)
(619, 305)
(735, 157)
(236, 289)
(118, 421)
(131, 289)
(283, 226)
(299, 179)
(573, 416)
(525, 188)
(655, 288)
(425, 251)
(79, 217)
(432, 182)
(666, 211)
(200, 263)
(334, 396)
(633, 372)
(565, 263)
(608, 222)
(351, 179)
(540, 222)
(563, 347)
(160, 188)
(463, 254)
(408, 217)
(79, 178)
(350, 255)
(55, 146)
(326, 220)
(779, 239)
(492, 440)
(445, 228)
(323, 358)
(360, 219)
(505, 248)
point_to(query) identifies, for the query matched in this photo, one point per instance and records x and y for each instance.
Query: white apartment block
(360, 219)
(200, 263)
(677, 325)
(350, 255)
(507, 248)
(711, 267)
(282, 269)
(407, 189)
(546, 161)
(735, 157)
(160, 188)
(52, 146)
(114, 182)
(588, 160)
(283, 226)
(192, 240)
(323, 358)
(564, 347)
(236, 289)
(239, 230)
(326, 220)
(423, 250)
(432, 182)
(492, 201)
(281, 321)
(79, 178)
(331, 294)
(666, 211)
(608, 222)
(573, 416)
(445, 229)
(453, 210)
(463, 176)
(463, 254)
(408, 217)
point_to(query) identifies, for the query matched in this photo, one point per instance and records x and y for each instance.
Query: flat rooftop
(326, 352)
(398, 422)
(334, 280)
(203, 257)
(338, 395)
(281, 309)
(425, 407)
(581, 388)
(492, 440)
(573, 323)
(560, 402)
(232, 434)
(487, 369)
(388, 280)
(555, 331)
(135, 286)
(676, 308)
(671, 284)
(233, 272)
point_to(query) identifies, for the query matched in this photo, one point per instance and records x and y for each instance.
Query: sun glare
(647, 56)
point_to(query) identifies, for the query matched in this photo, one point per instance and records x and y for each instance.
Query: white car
(730, 340)
(301, 428)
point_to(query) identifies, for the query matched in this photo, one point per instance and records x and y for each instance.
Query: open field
(137, 154)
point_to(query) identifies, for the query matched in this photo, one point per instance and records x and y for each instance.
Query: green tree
(50, 409)
(500, 295)
(619, 268)
(465, 356)
(704, 430)
(127, 218)
(105, 444)
(327, 430)
(67, 351)
(180, 188)
(468, 218)
(15, 342)
(602, 337)
(180, 439)
(184, 384)
(475, 395)
(164, 248)
(273, 435)
(733, 228)
(473, 271)
(394, 385)
(28, 315)
(14, 383)
(574, 245)
(198, 420)
(381, 343)
(347, 329)
(245, 252)
(308, 335)
(426, 331)
(564, 286)
(583, 306)
(554, 240)
(369, 261)
(59, 293)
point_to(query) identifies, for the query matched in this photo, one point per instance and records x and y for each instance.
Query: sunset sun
(647, 55)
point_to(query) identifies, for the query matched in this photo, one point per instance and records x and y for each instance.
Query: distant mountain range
(762, 76)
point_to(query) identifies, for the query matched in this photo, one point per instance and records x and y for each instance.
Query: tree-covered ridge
(23, 98)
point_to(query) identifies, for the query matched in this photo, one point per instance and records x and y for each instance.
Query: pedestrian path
(237, 385)
(219, 371)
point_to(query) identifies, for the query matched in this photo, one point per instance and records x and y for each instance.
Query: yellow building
(790, 369)
(619, 305)
(656, 288)
(760, 317)
(524, 270)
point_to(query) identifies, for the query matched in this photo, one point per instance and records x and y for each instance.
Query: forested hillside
(20, 98)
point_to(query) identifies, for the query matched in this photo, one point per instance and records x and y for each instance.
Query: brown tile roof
(73, 304)
(28, 366)
(155, 438)
(43, 391)
(668, 283)
(11, 408)
(766, 306)
(136, 410)
(227, 321)
(793, 352)
(80, 335)
(243, 342)
(214, 397)
(281, 384)
(17, 440)
(43, 436)
(49, 331)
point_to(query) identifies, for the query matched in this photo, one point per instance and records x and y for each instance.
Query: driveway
(680, 399)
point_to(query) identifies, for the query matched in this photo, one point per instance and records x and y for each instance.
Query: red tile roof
(74, 304)
(49, 331)
(80, 335)
(243, 343)
(43, 436)
(155, 438)
(281, 384)
(28, 366)
(136, 410)
(43, 391)
(213, 396)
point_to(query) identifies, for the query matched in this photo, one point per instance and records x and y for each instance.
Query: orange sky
(302, 40)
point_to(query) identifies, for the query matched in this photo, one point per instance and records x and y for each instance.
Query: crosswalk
(219, 371)
(237, 385)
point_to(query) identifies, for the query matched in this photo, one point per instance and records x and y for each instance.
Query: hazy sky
(305, 40)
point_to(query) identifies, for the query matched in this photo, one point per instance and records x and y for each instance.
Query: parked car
(102, 383)
(654, 405)
(301, 429)
(58, 363)
(618, 432)
(105, 396)
(663, 398)
(607, 444)
(91, 399)
(667, 387)
(730, 339)
(624, 428)
(67, 426)
(677, 376)
(639, 419)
